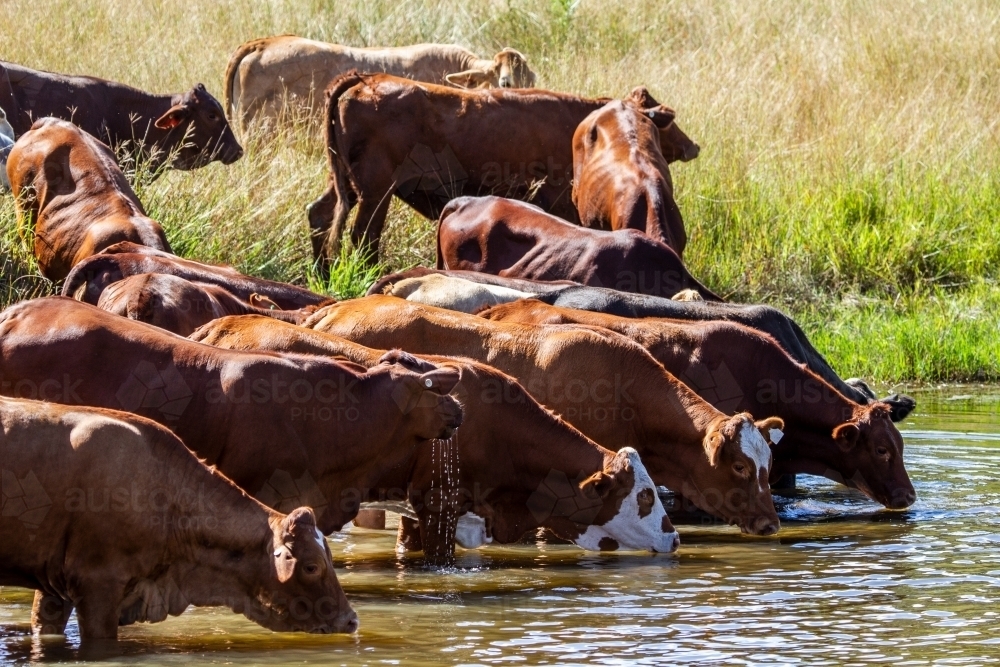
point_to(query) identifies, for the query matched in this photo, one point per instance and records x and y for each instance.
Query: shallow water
(844, 582)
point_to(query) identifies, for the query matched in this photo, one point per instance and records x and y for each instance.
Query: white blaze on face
(470, 533)
(756, 449)
(628, 529)
(320, 540)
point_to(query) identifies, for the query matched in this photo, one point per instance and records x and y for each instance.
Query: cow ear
(713, 447)
(260, 301)
(472, 78)
(641, 97)
(598, 485)
(174, 116)
(771, 428)
(661, 116)
(442, 380)
(846, 436)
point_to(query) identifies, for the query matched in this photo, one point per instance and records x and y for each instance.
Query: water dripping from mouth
(446, 469)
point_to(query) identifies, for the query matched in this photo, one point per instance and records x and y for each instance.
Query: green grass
(850, 166)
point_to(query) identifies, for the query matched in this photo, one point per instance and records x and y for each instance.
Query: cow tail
(88, 279)
(232, 70)
(449, 208)
(339, 187)
(334, 92)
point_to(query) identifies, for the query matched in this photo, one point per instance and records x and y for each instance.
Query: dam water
(844, 582)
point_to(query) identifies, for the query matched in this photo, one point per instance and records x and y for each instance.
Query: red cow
(518, 240)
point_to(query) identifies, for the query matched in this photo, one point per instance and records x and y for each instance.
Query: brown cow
(770, 320)
(428, 144)
(620, 177)
(264, 75)
(518, 240)
(87, 281)
(602, 383)
(179, 305)
(73, 198)
(269, 422)
(92, 502)
(739, 369)
(509, 447)
(189, 129)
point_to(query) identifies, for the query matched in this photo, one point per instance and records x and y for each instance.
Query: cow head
(509, 69)
(611, 128)
(674, 144)
(631, 515)
(301, 593)
(200, 128)
(871, 452)
(735, 485)
(424, 397)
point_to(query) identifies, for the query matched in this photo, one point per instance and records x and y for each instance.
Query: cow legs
(49, 614)
(437, 535)
(328, 219)
(97, 609)
(320, 219)
(369, 223)
(408, 535)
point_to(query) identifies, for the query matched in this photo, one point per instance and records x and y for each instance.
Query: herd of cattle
(177, 433)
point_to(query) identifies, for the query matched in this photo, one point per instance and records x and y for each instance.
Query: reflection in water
(843, 582)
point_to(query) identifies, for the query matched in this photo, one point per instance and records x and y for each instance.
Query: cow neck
(536, 437)
(329, 467)
(111, 183)
(675, 421)
(217, 516)
(809, 422)
(786, 388)
(152, 107)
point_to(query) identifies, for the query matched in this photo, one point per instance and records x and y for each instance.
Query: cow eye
(740, 469)
(881, 451)
(311, 569)
(213, 117)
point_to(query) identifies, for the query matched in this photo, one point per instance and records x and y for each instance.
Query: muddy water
(844, 582)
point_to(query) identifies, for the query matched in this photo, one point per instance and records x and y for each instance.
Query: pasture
(848, 173)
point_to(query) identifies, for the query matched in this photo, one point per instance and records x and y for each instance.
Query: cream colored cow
(266, 74)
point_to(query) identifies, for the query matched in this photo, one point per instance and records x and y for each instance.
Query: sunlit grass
(850, 165)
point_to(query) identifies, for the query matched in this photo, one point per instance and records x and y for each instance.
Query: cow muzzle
(761, 526)
(668, 543)
(452, 415)
(901, 498)
(231, 154)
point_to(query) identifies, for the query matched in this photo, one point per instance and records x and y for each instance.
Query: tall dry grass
(850, 163)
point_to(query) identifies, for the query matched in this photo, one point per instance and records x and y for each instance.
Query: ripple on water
(844, 582)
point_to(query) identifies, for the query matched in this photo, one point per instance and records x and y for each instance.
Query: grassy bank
(850, 170)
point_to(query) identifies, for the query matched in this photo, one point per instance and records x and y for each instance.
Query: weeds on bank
(850, 165)
(351, 274)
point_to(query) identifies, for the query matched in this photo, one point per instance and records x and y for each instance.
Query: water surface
(844, 582)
